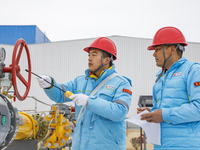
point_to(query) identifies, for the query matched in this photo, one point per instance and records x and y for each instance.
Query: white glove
(80, 99)
(43, 83)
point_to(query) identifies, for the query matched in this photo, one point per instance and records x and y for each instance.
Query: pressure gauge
(2, 54)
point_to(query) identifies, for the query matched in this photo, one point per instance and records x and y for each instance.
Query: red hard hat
(104, 44)
(168, 35)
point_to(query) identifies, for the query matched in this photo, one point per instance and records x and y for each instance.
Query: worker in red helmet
(106, 47)
(176, 93)
(102, 99)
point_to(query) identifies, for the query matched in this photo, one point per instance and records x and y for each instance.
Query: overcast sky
(64, 20)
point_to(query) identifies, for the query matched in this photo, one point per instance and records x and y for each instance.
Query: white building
(66, 59)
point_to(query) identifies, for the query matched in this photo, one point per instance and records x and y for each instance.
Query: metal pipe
(45, 80)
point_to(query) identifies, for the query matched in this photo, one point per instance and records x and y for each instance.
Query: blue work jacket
(102, 124)
(177, 93)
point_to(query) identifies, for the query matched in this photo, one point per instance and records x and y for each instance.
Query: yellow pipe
(26, 127)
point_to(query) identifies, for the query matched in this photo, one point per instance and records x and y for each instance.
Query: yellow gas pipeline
(27, 127)
(53, 130)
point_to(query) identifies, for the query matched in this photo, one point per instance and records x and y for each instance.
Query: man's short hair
(179, 52)
(105, 54)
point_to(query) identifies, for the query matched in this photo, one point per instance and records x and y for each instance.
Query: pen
(140, 105)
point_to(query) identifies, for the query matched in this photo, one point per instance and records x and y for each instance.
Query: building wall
(9, 34)
(65, 60)
(40, 37)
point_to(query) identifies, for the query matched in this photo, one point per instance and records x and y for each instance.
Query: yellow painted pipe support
(59, 123)
(61, 134)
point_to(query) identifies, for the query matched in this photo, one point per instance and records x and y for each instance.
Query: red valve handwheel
(14, 68)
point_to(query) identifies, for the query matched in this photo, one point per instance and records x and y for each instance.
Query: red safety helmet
(168, 35)
(104, 44)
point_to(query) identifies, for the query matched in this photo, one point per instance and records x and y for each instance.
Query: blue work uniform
(102, 124)
(177, 93)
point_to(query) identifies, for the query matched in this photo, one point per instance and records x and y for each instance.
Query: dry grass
(134, 133)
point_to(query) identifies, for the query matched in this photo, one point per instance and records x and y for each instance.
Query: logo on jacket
(177, 74)
(197, 83)
(109, 87)
(127, 91)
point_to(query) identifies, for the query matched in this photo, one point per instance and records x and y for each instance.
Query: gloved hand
(80, 99)
(44, 84)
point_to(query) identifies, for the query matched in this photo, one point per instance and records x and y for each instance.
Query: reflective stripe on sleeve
(121, 102)
(64, 97)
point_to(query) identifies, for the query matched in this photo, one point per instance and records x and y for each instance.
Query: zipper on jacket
(163, 85)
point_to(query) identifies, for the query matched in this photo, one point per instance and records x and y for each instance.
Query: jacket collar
(175, 65)
(178, 63)
(106, 72)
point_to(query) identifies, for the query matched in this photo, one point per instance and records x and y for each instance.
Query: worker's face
(158, 54)
(94, 59)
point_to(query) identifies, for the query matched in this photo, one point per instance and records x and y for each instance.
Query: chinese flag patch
(127, 91)
(197, 83)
